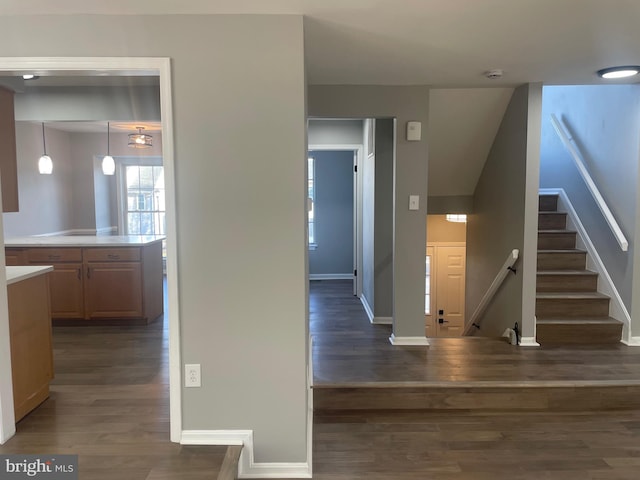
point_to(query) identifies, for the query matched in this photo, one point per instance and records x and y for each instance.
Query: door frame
(358, 150)
(160, 66)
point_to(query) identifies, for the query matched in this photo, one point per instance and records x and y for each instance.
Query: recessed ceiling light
(619, 72)
(30, 76)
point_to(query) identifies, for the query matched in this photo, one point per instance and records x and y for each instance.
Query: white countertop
(84, 241)
(17, 274)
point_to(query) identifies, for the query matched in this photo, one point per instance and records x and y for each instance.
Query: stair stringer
(617, 308)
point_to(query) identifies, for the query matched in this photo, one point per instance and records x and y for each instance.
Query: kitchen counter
(18, 274)
(84, 241)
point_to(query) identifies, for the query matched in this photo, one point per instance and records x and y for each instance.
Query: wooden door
(113, 290)
(450, 280)
(429, 294)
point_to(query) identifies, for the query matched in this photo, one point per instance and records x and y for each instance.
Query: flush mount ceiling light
(612, 73)
(140, 140)
(108, 163)
(45, 165)
(30, 76)
(456, 218)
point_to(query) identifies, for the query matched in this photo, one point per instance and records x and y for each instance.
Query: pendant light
(45, 165)
(108, 163)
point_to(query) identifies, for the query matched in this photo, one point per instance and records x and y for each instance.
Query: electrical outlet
(192, 375)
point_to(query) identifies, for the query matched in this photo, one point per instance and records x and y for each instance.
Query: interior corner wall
(604, 121)
(368, 172)
(383, 218)
(404, 103)
(497, 225)
(45, 200)
(252, 240)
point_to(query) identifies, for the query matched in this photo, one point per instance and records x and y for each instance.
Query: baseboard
(632, 342)
(247, 467)
(367, 307)
(617, 309)
(382, 320)
(528, 342)
(330, 276)
(408, 341)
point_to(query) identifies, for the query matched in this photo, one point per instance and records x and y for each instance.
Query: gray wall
(605, 123)
(410, 178)
(440, 205)
(333, 212)
(368, 172)
(383, 229)
(497, 225)
(45, 200)
(241, 209)
(335, 132)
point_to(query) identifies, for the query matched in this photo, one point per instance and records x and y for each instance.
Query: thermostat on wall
(414, 131)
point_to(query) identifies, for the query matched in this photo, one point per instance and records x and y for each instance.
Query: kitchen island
(30, 336)
(97, 279)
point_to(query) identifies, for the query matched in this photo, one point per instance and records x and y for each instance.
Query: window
(311, 200)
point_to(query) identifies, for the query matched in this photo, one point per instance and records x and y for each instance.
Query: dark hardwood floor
(109, 404)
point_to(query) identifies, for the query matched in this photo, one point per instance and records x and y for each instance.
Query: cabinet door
(67, 300)
(14, 257)
(8, 159)
(113, 290)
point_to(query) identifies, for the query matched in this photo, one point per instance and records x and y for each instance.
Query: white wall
(241, 204)
(335, 132)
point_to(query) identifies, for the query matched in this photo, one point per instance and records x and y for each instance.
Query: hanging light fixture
(45, 165)
(108, 163)
(140, 140)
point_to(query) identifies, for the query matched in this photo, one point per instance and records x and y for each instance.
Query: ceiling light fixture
(30, 76)
(456, 218)
(613, 73)
(140, 140)
(45, 165)
(108, 163)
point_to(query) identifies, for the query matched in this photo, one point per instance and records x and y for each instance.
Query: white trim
(617, 308)
(382, 320)
(408, 341)
(118, 66)
(330, 276)
(632, 342)
(528, 342)
(247, 467)
(367, 307)
(570, 145)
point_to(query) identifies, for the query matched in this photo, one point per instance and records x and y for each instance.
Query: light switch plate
(414, 202)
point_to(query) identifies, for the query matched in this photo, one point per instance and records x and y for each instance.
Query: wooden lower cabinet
(94, 283)
(114, 290)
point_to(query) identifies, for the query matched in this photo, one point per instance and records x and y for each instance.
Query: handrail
(491, 292)
(570, 144)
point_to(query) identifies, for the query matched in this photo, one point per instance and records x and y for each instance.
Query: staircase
(569, 310)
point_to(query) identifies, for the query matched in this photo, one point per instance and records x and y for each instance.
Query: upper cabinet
(8, 163)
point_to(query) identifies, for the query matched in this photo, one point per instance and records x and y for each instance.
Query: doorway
(114, 67)
(445, 276)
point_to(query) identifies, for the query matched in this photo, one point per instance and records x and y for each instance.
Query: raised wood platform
(356, 368)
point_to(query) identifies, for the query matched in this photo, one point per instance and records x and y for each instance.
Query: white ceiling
(430, 42)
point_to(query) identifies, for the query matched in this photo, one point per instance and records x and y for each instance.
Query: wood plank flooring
(109, 404)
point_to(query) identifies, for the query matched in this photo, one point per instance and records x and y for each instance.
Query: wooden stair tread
(551, 273)
(229, 469)
(556, 231)
(570, 295)
(572, 321)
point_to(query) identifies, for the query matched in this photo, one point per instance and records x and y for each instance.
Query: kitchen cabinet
(30, 336)
(8, 157)
(99, 283)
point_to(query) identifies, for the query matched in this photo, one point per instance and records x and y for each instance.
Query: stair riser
(562, 261)
(579, 335)
(556, 241)
(552, 221)
(566, 283)
(572, 308)
(547, 203)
